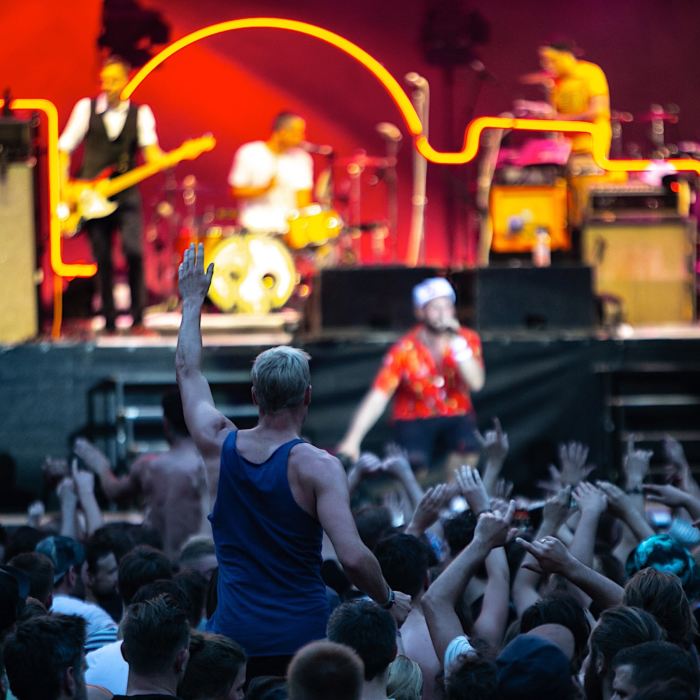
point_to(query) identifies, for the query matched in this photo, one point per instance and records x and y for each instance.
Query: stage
(546, 386)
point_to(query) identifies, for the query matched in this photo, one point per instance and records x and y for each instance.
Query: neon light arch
(472, 131)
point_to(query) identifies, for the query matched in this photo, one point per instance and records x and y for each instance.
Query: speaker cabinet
(18, 294)
(364, 297)
(649, 264)
(526, 297)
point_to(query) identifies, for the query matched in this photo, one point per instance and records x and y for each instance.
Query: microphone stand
(415, 254)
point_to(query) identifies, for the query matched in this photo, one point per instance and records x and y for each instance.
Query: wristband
(634, 490)
(389, 603)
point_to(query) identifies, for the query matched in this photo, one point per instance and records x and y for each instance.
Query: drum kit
(258, 272)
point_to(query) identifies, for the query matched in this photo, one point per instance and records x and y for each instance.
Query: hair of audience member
(323, 670)
(155, 631)
(40, 651)
(145, 534)
(405, 681)
(369, 630)
(32, 608)
(163, 586)
(12, 599)
(194, 586)
(459, 531)
(196, 547)
(472, 678)
(663, 596)
(113, 59)
(23, 539)
(651, 662)
(215, 662)
(618, 628)
(666, 690)
(404, 562)
(112, 537)
(171, 402)
(280, 378)
(39, 570)
(373, 523)
(140, 566)
(267, 688)
(610, 566)
(559, 609)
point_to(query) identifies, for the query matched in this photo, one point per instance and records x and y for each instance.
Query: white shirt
(101, 628)
(254, 165)
(113, 119)
(106, 667)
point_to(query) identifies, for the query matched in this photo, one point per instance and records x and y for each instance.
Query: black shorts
(429, 439)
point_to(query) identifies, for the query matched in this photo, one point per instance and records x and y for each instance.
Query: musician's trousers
(128, 219)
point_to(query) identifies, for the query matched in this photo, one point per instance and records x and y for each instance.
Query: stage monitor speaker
(18, 293)
(364, 297)
(537, 298)
(649, 264)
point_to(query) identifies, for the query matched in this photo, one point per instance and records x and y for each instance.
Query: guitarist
(113, 131)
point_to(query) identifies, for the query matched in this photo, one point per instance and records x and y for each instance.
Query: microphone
(320, 149)
(415, 80)
(389, 131)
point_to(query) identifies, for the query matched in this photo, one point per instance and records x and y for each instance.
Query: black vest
(101, 153)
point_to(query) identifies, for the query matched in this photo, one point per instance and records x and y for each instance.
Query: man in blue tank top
(276, 496)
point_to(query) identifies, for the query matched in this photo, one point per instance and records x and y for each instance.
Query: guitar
(89, 199)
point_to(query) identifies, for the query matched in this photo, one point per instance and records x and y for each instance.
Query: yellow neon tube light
(473, 130)
(61, 268)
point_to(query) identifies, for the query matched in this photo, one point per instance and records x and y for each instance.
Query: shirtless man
(276, 496)
(173, 485)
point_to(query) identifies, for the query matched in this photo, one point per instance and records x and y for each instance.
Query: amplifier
(632, 199)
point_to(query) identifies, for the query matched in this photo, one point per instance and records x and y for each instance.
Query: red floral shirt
(424, 387)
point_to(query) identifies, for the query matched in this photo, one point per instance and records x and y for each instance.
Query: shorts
(428, 439)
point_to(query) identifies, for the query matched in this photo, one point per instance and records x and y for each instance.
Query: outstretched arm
(207, 426)
(96, 461)
(440, 600)
(365, 417)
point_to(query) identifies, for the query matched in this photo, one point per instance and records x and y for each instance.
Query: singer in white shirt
(272, 179)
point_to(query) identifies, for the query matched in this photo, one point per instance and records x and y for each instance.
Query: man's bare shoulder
(315, 463)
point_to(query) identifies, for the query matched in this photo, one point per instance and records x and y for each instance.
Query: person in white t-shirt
(271, 179)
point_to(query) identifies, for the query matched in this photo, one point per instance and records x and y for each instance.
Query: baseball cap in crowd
(432, 288)
(531, 667)
(663, 553)
(63, 551)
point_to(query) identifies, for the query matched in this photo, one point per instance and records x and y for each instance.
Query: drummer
(272, 179)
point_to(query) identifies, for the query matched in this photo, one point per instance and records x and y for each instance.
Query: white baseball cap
(432, 288)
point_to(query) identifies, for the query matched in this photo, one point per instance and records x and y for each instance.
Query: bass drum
(312, 226)
(252, 274)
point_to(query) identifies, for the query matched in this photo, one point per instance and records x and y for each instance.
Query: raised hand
(428, 509)
(67, 494)
(557, 508)
(472, 488)
(667, 494)
(590, 499)
(84, 481)
(92, 457)
(193, 281)
(401, 607)
(396, 460)
(550, 553)
(635, 465)
(572, 459)
(494, 443)
(618, 501)
(494, 529)
(367, 463)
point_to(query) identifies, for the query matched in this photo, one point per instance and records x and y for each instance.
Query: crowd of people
(303, 584)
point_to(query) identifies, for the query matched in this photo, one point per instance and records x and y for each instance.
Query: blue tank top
(271, 598)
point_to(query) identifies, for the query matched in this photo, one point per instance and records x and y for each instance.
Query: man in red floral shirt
(431, 370)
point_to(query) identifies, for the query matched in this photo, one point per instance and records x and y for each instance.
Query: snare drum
(312, 226)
